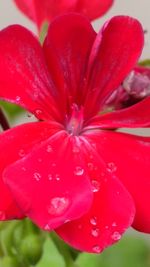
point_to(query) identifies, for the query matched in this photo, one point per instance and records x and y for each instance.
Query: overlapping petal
(46, 10)
(115, 52)
(54, 185)
(20, 141)
(93, 9)
(24, 78)
(67, 54)
(135, 116)
(112, 210)
(128, 158)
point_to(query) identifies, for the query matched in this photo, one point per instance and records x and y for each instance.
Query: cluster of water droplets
(111, 167)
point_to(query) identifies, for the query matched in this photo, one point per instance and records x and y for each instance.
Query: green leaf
(145, 63)
(11, 110)
(131, 251)
(51, 256)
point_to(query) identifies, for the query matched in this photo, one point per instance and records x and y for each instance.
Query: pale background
(136, 8)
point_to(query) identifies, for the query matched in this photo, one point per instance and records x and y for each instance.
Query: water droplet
(18, 98)
(95, 232)
(95, 186)
(47, 227)
(50, 177)
(79, 171)
(21, 153)
(106, 227)
(75, 149)
(114, 224)
(93, 221)
(116, 236)
(2, 215)
(111, 167)
(96, 249)
(57, 177)
(53, 165)
(37, 176)
(66, 221)
(90, 166)
(39, 160)
(49, 149)
(23, 169)
(58, 205)
(38, 112)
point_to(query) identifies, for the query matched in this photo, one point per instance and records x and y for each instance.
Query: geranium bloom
(69, 171)
(45, 10)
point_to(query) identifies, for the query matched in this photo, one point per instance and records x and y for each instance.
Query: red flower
(70, 171)
(41, 11)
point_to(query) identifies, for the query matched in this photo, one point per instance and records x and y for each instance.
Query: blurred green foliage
(22, 244)
(11, 110)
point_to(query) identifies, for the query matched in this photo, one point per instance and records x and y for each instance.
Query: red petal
(46, 10)
(67, 48)
(54, 186)
(115, 52)
(133, 117)
(111, 214)
(27, 7)
(15, 144)
(93, 9)
(129, 157)
(24, 77)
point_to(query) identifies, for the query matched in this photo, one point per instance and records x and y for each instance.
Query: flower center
(75, 120)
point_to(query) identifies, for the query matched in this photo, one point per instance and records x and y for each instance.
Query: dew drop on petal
(111, 167)
(95, 232)
(53, 165)
(114, 224)
(96, 249)
(93, 221)
(38, 112)
(49, 149)
(78, 171)
(90, 166)
(23, 169)
(57, 177)
(75, 149)
(18, 98)
(21, 153)
(58, 205)
(50, 177)
(47, 227)
(95, 186)
(37, 176)
(116, 236)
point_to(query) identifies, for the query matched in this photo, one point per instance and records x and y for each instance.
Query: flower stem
(3, 121)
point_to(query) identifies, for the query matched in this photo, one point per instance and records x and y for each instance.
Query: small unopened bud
(31, 248)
